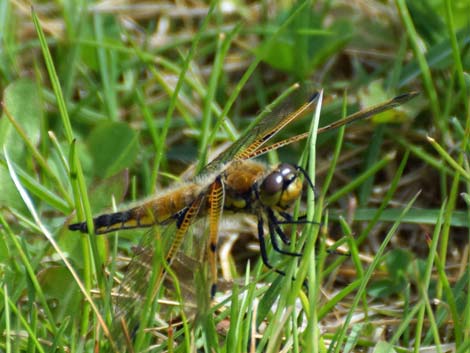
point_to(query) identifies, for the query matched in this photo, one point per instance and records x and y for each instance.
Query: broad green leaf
(306, 44)
(22, 100)
(59, 286)
(385, 288)
(113, 147)
(104, 191)
(374, 94)
(397, 262)
(384, 347)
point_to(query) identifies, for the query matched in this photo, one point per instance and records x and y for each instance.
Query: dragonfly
(233, 182)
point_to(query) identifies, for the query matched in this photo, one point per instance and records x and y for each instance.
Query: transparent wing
(151, 292)
(258, 134)
(251, 143)
(140, 273)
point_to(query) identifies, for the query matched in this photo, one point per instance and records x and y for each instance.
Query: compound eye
(272, 183)
(288, 171)
(271, 188)
(286, 168)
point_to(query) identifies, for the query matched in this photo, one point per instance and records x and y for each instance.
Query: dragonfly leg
(185, 219)
(307, 178)
(262, 246)
(274, 230)
(288, 219)
(216, 204)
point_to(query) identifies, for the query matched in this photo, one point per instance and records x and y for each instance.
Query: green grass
(105, 107)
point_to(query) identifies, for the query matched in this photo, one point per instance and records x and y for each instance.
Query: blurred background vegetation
(133, 95)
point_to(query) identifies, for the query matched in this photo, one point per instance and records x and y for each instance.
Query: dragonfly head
(282, 187)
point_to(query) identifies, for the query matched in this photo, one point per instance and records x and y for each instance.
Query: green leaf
(384, 347)
(415, 216)
(398, 261)
(467, 80)
(268, 301)
(9, 197)
(375, 93)
(59, 286)
(106, 189)
(305, 44)
(113, 147)
(23, 101)
(423, 14)
(384, 288)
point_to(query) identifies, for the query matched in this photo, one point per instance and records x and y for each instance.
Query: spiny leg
(288, 219)
(184, 221)
(302, 220)
(262, 246)
(216, 204)
(274, 230)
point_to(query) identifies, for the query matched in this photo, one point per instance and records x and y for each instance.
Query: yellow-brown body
(241, 182)
(231, 182)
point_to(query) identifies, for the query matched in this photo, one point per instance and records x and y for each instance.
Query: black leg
(307, 178)
(262, 245)
(288, 219)
(275, 229)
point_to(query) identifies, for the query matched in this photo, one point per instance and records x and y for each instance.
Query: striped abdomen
(155, 211)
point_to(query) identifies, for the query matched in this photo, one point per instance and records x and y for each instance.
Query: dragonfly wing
(259, 134)
(146, 275)
(132, 291)
(359, 115)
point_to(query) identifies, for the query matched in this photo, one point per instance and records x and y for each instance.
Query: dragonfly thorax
(282, 187)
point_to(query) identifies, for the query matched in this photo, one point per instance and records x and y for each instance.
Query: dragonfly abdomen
(156, 211)
(104, 223)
